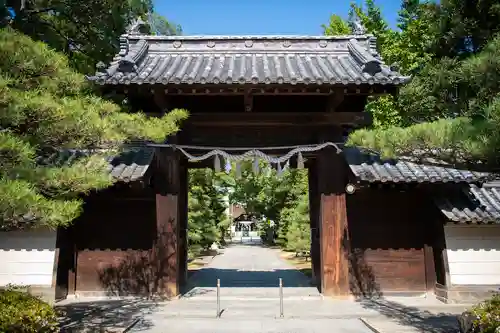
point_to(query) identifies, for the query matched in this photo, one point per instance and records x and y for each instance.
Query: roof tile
(248, 60)
(130, 165)
(472, 204)
(370, 168)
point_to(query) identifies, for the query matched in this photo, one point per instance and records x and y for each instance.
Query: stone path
(249, 300)
(249, 303)
(249, 271)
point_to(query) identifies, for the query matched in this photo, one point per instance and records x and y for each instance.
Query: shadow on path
(234, 278)
(417, 317)
(96, 315)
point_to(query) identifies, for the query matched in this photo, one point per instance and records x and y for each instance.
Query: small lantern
(350, 188)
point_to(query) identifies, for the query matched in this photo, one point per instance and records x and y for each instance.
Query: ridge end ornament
(358, 28)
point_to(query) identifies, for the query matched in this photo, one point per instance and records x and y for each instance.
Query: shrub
(488, 315)
(21, 312)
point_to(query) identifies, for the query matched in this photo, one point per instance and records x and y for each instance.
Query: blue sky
(259, 17)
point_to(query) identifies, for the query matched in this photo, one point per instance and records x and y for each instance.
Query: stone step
(263, 309)
(256, 292)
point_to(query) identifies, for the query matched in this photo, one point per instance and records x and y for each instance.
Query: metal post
(218, 298)
(281, 298)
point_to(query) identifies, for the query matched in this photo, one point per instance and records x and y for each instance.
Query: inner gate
(244, 91)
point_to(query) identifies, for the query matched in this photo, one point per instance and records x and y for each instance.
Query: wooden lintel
(265, 89)
(279, 119)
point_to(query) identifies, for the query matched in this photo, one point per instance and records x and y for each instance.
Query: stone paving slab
(312, 309)
(99, 314)
(383, 325)
(242, 325)
(242, 266)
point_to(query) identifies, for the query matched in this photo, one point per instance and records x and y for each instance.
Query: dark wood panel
(387, 239)
(115, 272)
(117, 224)
(399, 255)
(113, 240)
(250, 136)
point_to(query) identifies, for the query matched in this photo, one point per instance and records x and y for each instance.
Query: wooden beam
(260, 89)
(279, 119)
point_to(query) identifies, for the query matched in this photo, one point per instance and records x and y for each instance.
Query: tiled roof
(247, 60)
(472, 204)
(370, 168)
(130, 165)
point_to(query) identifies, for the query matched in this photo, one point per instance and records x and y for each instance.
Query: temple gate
(244, 91)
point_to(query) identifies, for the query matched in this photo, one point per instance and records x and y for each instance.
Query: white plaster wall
(27, 257)
(473, 254)
(239, 234)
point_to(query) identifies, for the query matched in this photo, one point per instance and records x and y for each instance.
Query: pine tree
(299, 232)
(206, 215)
(47, 109)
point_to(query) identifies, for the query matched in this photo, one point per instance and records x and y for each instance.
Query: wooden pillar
(66, 262)
(183, 223)
(332, 179)
(430, 270)
(314, 221)
(168, 216)
(437, 271)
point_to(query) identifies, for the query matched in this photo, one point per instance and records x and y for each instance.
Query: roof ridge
(243, 37)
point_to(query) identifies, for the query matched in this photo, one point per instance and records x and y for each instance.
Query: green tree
(207, 221)
(464, 27)
(86, 31)
(456, 105)
(161, 26)
(274, 196)
(45, 110)
(336, 27)
(296, 217)
(293, 226)
(450, 109)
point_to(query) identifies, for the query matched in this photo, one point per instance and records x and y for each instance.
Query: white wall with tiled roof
(27, 257)
(473, 253)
